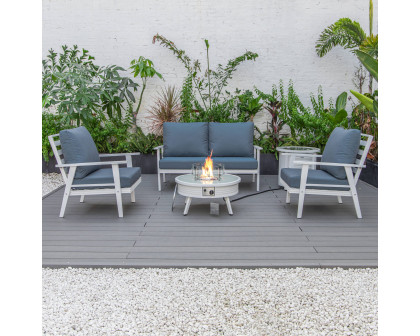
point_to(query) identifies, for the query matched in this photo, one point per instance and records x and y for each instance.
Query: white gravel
(299, 301)
(51, 182)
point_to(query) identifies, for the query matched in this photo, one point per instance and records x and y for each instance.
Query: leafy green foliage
(144, 143)
(370, 63)
(51, 124)
(310, 126)
(344, 32)
(367, 121)
(204, 96)
(248, 106)
(111, 135)
(144, 68)
(350, 35)
(187, 98)
(79, 88)
(271, 138)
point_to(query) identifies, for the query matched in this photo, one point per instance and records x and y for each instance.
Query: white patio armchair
(340, 167)
(83, 172)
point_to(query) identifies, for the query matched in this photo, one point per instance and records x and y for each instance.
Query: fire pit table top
(225, 180)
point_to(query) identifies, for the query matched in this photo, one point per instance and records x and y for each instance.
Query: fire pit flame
(207, 169)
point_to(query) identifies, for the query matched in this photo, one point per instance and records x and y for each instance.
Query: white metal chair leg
(253, 177)
(116, 174)
(164, 177)
(340, 200)
(258, 181)
(64, 202)
(303, 178)
(353, 189)
(67, 191)
(159, 184)
(133, 196)
(287, 197)
(82, 198)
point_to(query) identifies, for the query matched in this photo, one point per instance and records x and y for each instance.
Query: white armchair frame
(352, 173)
(68, 171)
(253, 172)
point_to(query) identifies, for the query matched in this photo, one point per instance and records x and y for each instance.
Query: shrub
(80, 89)
(51, 124)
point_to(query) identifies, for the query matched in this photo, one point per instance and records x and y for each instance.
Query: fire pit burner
(207, 171)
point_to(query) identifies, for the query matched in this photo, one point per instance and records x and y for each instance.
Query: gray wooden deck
(263, 232)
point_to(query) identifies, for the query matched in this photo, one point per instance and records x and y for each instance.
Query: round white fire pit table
(187, 186)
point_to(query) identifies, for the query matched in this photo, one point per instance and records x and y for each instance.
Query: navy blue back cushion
(185, 139)
(231, 139)
(78, 146)
(342, 147)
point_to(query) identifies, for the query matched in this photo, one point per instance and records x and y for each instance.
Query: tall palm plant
(349, 35)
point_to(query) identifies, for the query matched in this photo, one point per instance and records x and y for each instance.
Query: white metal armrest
(84, 164)
(333, 164)
(118, 154)
(158, 147)
(257, 147)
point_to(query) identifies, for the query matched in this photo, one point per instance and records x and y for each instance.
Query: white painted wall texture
(283, 33)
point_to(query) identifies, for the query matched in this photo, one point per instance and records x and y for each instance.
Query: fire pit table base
(187, 186)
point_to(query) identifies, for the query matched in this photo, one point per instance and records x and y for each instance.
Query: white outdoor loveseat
(84, 173)
(340, 167)
(231, 144)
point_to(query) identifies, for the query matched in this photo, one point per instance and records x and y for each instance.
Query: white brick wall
(283, 33)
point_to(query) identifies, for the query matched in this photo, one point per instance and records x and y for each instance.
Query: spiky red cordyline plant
(167, 108)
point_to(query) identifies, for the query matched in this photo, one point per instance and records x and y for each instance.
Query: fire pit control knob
(211, 192)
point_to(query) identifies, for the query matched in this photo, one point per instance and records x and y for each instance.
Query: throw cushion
(185, 139)
(78, 146)
(231, 139)
(342, 147)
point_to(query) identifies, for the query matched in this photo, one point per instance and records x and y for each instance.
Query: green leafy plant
(338, 113)
(371, 65)
(350, 35)
(204, 95)
(166, 108)
(145, 143)
(271, 138)
(248, 106)
(366, 120)
(111, 135)
(143, 68)
(310, 126)
(51, 124)
(79, 89)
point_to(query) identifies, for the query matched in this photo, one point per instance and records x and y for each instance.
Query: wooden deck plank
(264, 231)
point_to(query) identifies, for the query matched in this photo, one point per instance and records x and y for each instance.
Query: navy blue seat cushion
(342, 147)
(231, 139)
(228, 162)
(128, 176)
(292, 177)
(78, 146)
(237, 162)
(185, 139)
